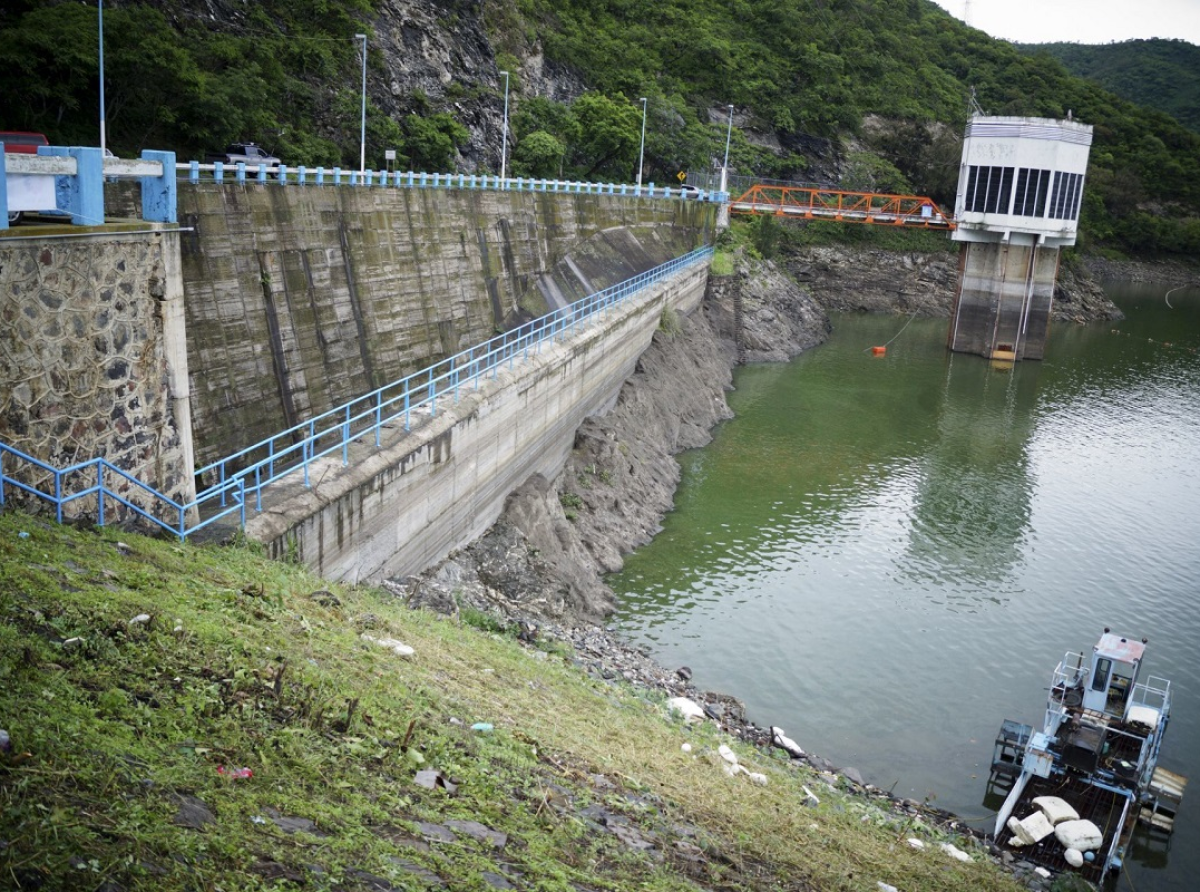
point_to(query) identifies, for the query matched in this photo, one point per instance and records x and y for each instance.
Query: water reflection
(972, 504)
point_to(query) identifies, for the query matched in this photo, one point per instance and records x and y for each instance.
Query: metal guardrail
(248, 472)
(194, 172)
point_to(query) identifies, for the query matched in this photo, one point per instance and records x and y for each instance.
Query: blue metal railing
(78, 481)
(247, 473)
(284, 175)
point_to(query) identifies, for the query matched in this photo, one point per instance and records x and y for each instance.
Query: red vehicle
(24, 143)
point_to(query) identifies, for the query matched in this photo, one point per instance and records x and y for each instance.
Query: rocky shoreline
(541, 565)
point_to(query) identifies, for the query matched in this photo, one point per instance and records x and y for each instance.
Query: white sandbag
(1144, 715)
(1018, 837)
(1055, 809)
(1032, 829)
(689, 709)
(784, 742)
(955, 852)
(1082, 835)
(1074, 857)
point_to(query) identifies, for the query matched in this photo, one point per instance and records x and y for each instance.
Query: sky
(1080, 21)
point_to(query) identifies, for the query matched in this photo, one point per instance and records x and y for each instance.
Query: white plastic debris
(1055, 809)
(884, 887)
(915, 843)
(399, 648)
(140, 620)
(731, 770)
(1082, 835)
(955, 852)
(687, 747)
(727, 754)
(689, 709)
(757, 777)
(1042, 872)
(784, 742)
(1074, 857)
(812, 797)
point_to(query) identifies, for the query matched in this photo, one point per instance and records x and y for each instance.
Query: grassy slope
(249, 663)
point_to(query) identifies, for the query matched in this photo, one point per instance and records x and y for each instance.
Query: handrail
(253, 469)
(195, 172)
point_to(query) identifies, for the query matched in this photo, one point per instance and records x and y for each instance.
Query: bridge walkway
(818, 203)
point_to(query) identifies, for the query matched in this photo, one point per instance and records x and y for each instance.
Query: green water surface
(887, 556)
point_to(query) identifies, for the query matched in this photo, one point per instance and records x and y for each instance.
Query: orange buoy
(878, 351)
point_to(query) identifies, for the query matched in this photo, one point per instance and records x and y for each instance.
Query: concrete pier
(1002, 309)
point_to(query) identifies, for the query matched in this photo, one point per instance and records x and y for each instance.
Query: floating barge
(1093, 767)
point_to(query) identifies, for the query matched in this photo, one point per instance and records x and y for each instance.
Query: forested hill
(867, 93)
(1159, 74)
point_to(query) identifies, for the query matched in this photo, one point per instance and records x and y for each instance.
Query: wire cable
(897, 334)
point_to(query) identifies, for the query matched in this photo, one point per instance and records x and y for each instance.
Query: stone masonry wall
(87, 361)
(300, 298)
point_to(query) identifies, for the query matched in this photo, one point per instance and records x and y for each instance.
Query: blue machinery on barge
(1095, 762)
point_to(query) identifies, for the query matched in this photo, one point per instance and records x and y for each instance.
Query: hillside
(183, 718)
(872, 94)
(1160, 74)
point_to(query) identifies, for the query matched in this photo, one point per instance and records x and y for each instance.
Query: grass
(246, 663)
(722, 263)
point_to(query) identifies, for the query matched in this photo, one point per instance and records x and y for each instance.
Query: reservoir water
(887, 556)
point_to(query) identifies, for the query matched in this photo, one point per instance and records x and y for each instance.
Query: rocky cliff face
(844, 279)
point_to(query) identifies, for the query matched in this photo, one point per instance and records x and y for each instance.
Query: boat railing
(1154, 692)
(1066, 684)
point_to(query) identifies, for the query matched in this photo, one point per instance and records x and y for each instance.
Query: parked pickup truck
(244, 152)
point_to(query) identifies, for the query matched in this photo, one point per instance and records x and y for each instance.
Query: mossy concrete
(300, 298)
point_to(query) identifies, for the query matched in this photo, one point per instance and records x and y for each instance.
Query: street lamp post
(504, 133)
(100, 6)
(362, 139)
(642, 148)
(725, 163)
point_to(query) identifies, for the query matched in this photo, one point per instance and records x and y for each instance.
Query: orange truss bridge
(815, 203)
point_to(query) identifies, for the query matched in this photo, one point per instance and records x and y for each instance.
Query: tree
(539, 154)
(430, 143)
(610, 131)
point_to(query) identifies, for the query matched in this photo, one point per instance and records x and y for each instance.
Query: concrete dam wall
(167, 348)
(301, 298)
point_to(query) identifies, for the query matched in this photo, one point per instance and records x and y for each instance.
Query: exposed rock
(872, 280)
(876, 281)
(1168, 272)
(192, 812)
